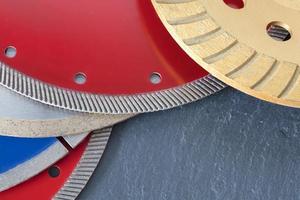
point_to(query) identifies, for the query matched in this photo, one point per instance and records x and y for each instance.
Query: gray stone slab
(228, 146)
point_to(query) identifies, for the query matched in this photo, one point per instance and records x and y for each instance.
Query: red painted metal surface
(116, 44)
(238, 4)
(42, 186)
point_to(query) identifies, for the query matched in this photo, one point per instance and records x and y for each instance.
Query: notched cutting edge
(86, 166)
(108, 104)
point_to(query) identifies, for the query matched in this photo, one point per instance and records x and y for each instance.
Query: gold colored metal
(234, 46)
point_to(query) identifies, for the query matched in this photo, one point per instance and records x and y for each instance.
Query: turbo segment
(23, 117)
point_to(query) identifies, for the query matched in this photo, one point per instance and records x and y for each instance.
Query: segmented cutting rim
(86, 166)
(265, 72)
(108, 104)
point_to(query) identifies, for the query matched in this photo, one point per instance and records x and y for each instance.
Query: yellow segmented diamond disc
(254, 48)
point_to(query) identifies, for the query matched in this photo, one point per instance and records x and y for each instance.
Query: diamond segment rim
(253, 63)
(107, 104)
(86, 165)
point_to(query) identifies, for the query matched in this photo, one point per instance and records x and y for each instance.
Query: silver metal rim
(86, 166)
(108, 104)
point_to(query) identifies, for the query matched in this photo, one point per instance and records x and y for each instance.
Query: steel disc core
(251, 45)
(95, 56)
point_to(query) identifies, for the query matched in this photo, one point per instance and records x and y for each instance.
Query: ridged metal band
(279, 33)
(86, 166)
(109, 104)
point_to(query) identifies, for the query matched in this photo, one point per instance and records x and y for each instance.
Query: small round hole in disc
(80, 78)
(10, 52)
(279, 31)
(236, 4)
(155, 78)
(54, 171)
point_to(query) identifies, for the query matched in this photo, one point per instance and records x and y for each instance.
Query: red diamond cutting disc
(96, 56)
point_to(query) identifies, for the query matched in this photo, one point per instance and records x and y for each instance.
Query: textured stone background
(227, 146)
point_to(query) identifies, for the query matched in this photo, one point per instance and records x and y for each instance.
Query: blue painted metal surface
(15, 151)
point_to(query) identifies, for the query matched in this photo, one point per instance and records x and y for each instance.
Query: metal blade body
(100, 57)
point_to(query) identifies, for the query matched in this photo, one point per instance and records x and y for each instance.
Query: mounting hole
(53, 171)
(279, 31)
(236, 4)
(80, 78)
(10, 52)
(155, 78)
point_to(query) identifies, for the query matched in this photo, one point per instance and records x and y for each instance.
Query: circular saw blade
(24, 158)
(22, 117)
(250, 45)
(101, 57)
(74, 172)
